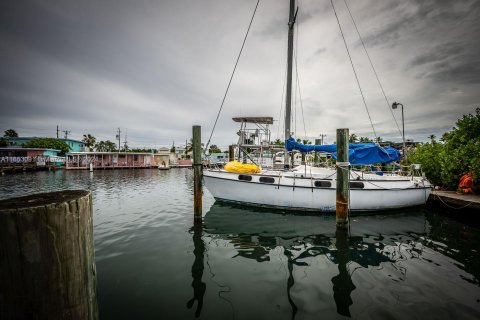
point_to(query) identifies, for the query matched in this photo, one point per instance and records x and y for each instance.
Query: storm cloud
(155, 68)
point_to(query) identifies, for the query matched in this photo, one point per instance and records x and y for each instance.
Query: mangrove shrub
(456, 154)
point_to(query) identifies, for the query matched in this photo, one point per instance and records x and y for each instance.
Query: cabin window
(357, 185)
(267, 180)
(244, 177)
(323, 184)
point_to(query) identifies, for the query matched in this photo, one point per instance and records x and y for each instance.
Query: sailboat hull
(296, 193)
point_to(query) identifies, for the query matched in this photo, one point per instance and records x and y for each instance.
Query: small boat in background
(163, 159)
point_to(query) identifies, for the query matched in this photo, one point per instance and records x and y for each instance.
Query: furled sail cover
(358, 153)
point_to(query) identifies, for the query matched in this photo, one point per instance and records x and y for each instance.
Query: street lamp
(394, 106)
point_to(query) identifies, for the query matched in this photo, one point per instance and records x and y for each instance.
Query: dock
(455, 201)
(22, 167)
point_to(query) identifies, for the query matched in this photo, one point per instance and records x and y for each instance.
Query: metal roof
(262, 120)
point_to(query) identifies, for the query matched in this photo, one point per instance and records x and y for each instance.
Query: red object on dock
(466, 183)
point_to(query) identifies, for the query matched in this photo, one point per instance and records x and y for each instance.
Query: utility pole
(125, 142)
(66, 132)
(118, 137)
(57, 131)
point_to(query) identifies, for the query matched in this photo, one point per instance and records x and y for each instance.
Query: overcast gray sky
(155, 68)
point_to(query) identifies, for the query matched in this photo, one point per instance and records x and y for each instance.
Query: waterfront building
(29, 158)
(110, 160)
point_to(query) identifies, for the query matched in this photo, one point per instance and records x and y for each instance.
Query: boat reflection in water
(300, 266)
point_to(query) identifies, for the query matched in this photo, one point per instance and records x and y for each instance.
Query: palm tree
(432, 138)
(10, 133)
(365, 139)
(278, 142)
(378, 139)
(105, 146)
(353, 138)
(89, 141)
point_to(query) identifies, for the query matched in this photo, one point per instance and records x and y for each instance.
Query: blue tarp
(358, 153)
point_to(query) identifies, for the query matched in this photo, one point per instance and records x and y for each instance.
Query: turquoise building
(75, 145)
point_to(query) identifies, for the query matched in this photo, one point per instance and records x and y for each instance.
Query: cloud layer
(156, 68)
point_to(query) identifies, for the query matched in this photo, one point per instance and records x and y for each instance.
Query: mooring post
(343, 173)
(198, 171)
(47, 262)
(231, 152)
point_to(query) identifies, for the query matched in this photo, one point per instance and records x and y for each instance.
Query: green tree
(48, 143)
(279, 143)
(462, 149)
(105, 146)
(10, 133)
(459, 153)
(214, 149)
(89, 141)
(3, 142)
(430, 155)
(352, 138)
(365, 140)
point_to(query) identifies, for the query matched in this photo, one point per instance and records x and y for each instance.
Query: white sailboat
(309, 188)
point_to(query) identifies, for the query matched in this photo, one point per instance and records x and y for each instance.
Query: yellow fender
(235, 166)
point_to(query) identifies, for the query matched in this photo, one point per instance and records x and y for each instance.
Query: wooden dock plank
(455, 200)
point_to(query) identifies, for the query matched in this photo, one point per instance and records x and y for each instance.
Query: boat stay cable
(281, 103)
(354, 71)
(297, 85)
(300, 98)
(231, 78)
(373, 68)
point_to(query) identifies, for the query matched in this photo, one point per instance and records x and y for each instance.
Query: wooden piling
(342, 197)
(231, 152)
(198, 171)
(47, 262)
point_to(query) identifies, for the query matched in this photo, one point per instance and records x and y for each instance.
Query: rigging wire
(373, 68)
(297, 84)
(300, 97)
(281, 104)
(231, 78)
(355, 72)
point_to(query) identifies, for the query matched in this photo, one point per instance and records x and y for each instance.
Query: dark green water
(242, 263)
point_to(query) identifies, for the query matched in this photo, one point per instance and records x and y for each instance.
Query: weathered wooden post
(342, 197)
(231, 152)
(198, 171)
(47, 262)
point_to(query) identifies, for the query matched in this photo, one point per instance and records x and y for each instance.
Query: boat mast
(288, 107)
